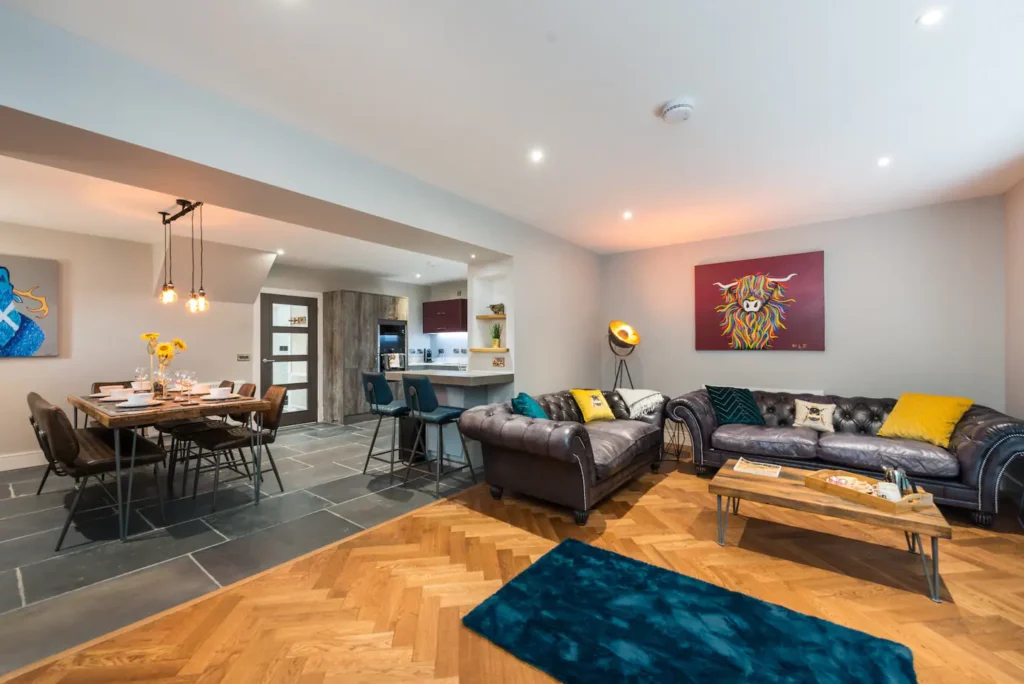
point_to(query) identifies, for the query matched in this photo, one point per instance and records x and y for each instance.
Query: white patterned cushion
(640, 402)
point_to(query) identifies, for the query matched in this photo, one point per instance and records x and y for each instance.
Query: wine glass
(141, 374)
(186, 379)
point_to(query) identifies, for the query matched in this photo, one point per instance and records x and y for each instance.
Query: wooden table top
(788, 491)
(107, 415)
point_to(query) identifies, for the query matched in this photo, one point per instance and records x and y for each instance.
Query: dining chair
(383, 403)
(84, 453)
(122, 383)
(423, 406)
(225, 440)
(181, 436)
(179, 431)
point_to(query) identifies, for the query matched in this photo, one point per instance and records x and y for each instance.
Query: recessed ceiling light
(417, 275)
(472, 256)
(536, 155)
(931, 17)
(883, 162)
(280, 251)
(627, 215)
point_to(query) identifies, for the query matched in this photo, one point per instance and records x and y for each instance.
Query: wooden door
(288, 349)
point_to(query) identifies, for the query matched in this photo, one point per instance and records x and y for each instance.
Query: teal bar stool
(383, 403)
(423, 406)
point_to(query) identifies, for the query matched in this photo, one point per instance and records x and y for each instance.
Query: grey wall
(914, 301)
(1015, 300)
(70, 80)
(107, 301)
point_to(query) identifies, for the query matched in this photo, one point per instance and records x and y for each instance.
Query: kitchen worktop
(466, 378)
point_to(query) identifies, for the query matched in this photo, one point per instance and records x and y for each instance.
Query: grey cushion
(761, 440)
(616, 443)
(871, 453)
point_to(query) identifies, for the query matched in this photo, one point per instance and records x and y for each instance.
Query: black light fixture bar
(187, 208)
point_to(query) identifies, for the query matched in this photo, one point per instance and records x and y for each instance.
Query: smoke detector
(677, 110)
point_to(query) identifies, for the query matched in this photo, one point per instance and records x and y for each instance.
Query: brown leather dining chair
(119, 383)
(225, 440)
(83, 453)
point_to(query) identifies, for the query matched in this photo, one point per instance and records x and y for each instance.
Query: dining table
(131, 420)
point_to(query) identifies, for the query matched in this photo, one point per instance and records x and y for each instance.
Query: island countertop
(468, 378)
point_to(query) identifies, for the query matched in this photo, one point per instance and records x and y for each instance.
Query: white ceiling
(37, 195)
(796, 99)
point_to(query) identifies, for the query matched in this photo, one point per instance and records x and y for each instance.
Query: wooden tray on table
(818, 480)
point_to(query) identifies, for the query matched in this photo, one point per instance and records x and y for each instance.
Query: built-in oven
(391, 345)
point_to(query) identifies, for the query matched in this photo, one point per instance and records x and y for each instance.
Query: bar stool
(383, 403)
(423, 406)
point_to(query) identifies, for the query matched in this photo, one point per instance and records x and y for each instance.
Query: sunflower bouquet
(161, 353)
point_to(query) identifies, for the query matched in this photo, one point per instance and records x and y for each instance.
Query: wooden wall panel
(350, 346)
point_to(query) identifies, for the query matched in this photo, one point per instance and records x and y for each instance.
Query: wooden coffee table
(788, 491)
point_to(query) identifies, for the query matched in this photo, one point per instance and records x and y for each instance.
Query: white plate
(139, 406)
(108, 398)
(230, 396)
(98, 395)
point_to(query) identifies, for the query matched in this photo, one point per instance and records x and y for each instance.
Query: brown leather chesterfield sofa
(967, 474)
(563, 460)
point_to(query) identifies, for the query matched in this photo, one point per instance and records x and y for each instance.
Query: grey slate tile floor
(96, 584)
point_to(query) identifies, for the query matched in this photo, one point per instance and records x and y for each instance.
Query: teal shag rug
(582, 614)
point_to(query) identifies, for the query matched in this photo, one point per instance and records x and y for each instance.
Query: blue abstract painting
(28, 306)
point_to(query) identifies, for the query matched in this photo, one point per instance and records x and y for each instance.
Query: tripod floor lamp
(622, 340)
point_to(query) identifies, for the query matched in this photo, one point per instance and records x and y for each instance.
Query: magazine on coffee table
(753, 468)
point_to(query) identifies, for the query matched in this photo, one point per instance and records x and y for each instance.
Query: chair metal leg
(43, 482)
(159, 493)
(373, 442)
(394, 436)
(117, 469)
(185, 453)
(440, 459)
(216, 479)
(273, 466)
(408, 468)
(199, 467)
(131, 479)
(71, 513)
(245, 464)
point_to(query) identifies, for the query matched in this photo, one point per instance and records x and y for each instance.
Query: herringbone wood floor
(386, 605)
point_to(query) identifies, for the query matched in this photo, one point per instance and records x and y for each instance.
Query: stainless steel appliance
(391, 345)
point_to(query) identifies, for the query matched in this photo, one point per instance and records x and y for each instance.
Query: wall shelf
(489, 350)
(491, 317)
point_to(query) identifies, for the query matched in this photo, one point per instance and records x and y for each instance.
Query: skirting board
(24, 459)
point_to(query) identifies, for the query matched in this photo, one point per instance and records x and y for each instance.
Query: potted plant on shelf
(496, 335)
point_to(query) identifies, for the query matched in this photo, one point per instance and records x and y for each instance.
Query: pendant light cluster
(197, 301)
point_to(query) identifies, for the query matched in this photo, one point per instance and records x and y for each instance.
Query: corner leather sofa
(563, 460)
(967, 474)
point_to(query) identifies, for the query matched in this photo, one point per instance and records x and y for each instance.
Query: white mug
(888, 490)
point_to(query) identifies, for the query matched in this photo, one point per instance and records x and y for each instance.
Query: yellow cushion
(593, 405)
(925, 417)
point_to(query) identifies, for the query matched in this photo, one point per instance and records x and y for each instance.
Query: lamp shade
(623, 335)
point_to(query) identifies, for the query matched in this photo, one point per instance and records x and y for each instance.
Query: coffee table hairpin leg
(931, 575)
(723, 516)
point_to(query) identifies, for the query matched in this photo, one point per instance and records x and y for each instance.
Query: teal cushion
(525, 405)
(735, 406)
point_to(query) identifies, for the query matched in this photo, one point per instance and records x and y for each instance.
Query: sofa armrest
(694, 409)
(562, 440)
(985, 441)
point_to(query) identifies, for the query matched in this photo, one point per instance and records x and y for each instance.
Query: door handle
(268, 361)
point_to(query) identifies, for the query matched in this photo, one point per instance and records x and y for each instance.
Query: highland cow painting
(28, 306)
(773, 303)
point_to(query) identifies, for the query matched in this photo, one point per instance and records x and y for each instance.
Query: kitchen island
(464, 389)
